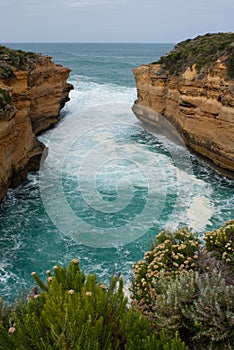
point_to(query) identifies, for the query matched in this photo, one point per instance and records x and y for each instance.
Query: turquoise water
(108, 186)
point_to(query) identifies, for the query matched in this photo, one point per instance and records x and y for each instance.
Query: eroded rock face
(37, 95)
(201, 107)
(47, 83)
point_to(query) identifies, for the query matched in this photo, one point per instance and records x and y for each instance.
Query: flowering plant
(171, 254)
(221, 243)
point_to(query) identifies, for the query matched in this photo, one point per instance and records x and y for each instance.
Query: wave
(88, 93)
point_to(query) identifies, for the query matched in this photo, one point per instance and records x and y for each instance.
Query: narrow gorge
(33, 90)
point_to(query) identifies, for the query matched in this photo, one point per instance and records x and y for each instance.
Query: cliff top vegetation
(203, 51)
(10, 59)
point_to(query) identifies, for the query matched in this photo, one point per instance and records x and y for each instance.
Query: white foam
(199, 213)
(89, 94)
(107, 126)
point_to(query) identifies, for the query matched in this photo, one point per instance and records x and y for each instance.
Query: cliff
(32, 92)
(193, 88)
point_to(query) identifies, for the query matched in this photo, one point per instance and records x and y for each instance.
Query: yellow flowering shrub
(221, 243)
(171, 254)
(187, 286)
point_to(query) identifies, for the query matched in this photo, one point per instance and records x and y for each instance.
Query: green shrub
(170, 255)
(77, 312)
(162, 342)
(203, 51)
(6, 72)
(15, 59)
(200, 306)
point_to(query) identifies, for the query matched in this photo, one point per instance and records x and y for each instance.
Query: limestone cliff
(32, 91)
(193, 87)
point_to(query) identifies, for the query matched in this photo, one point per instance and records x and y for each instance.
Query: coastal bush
(72, 311)
(207, 262)
(170, 255)
(6, 72)
(221, 243)
(183, 285)
(163, 341)
(201, 307)
(203, 51)
(14, 59)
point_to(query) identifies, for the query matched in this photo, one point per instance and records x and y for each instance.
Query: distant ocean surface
(138, 168)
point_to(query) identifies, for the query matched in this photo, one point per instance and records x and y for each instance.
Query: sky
(154, 21)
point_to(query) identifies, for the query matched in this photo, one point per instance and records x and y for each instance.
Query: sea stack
(193, 88)
(33, 90)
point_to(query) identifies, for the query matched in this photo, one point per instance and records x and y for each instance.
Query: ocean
(108, 185)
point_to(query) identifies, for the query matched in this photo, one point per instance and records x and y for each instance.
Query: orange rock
(202, 109)
(38, 94)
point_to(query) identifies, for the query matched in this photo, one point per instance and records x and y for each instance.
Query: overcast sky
(167, 21)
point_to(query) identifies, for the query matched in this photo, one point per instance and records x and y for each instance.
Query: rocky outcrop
(47, 83)
(35, 94)
(198, 102)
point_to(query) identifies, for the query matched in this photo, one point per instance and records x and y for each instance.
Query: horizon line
(82, 42)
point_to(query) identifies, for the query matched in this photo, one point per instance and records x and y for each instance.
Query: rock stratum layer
(198, 99)
(32, 92)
